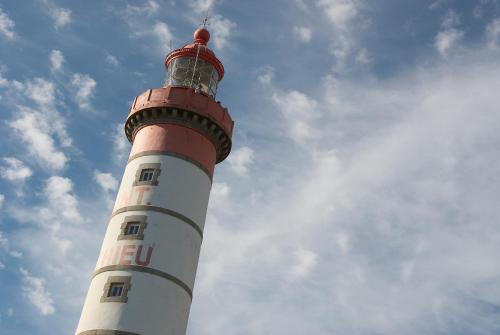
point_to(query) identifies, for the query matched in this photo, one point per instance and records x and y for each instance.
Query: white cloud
(112, 60)
(201, 6)
(450, 36)
(10, 312)
(58, 191)
(240, 160)
(2, 200)
(304, 263)
(141, 23)
(220, 27)
(220, 190)
(340, 12)
(15, 170)
(35, 132)
(447, 39)
(56, 60)
(121, 145)
(493, 33)
(60, 206)
(3, 81)
(16, 254)
(437, 4)
(41, 91)
(266, 75)
(302, 5)
(149, 8)
(162, 33)
(6, 25)
(37, 122)
(363, 57)
(34, 290)
(299, 111)
(393, 203)
(85, 86)
(55, 217)
(221, 30)
(451, 19)
(106, 181)
(303, 34)
(4, 242)
(345, 19)
(61, 16)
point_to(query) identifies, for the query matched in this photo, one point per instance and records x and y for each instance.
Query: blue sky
(361, 196)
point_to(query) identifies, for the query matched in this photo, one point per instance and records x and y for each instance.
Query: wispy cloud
(387, 205)
(340, 12)
(35, 291)
(32, 128)
(61, 16)
(221, 28)
(148, 8)
(85, 86)
(6, 25)
(15, 170)
(447, 39)
(303, 34)
(141, 22)
(162, 32)
(450, 36)
(37, 122)
(493, 33)
(240, 160)
(345, 19)
(296, 109)
(112, 60)
(121, 145)
(106, 181)
(56, 60)
(305, 261)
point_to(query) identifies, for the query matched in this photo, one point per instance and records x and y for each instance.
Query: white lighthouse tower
(144, 277)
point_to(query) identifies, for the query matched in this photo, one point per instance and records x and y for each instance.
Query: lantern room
(195, 66)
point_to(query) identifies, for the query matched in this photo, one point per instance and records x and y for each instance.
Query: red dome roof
(201, 35)
(198, 48)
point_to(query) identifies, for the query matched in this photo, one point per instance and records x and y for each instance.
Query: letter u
(138, 256)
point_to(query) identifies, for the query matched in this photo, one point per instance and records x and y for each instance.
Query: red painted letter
(141, 191)
(138, 256)
(128, 250)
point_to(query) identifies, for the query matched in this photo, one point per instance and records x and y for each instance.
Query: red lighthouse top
(195, 65)
(187, 97)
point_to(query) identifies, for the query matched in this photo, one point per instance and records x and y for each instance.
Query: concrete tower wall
(160, 264)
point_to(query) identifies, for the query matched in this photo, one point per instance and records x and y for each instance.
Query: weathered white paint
(155, 305)
(176, 245)
(183, 187)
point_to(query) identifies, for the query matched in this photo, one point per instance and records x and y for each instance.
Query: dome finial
(201, 35)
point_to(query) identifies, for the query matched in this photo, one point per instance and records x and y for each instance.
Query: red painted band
(177, 139)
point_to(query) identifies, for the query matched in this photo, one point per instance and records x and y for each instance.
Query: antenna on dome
(205, 20)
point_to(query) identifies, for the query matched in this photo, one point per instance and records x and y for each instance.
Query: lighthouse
(144, 277)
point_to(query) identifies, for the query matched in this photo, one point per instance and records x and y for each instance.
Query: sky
(362, 192)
